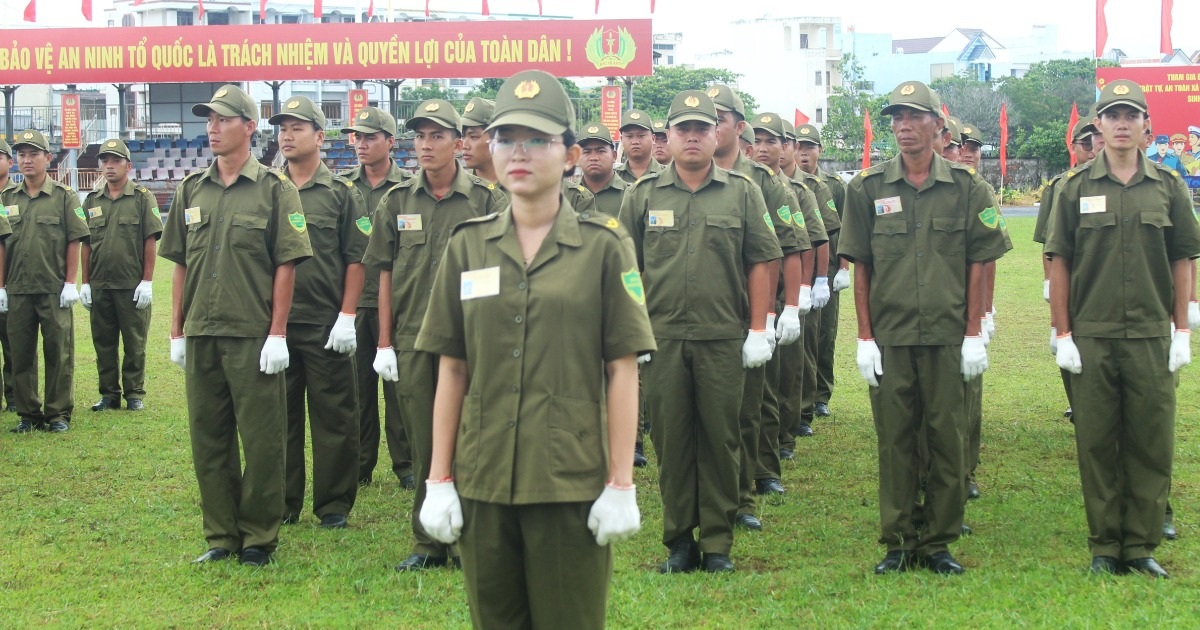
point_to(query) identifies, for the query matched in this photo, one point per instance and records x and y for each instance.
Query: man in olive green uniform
(918, 230)
(374, 137)
(9, 401)
(599, 155)
(477, 152)
(321, 325)
(662, 154)
(704, 239)
(42, 254)
(409, 233)
(118, 272)
(1114, 312)
(235, 232)
(637, 143)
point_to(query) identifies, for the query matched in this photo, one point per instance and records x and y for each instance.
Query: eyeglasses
(1086, 144)
(532, 147)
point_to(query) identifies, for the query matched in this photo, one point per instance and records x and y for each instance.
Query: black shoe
(291, 519)
(749, 521)
(1068, 413)
(821, 410)
(943, 563)
(768, 486)
(684, 557)
(135, 404)
(973, 490)
(255, 557)
(896, 561)
(1147, 566)
(408, 482)
(420, 562)
(24, 426)
(55, 426)
(106, 403)
(786, 454)
(717, 563)
(639, 457)
(1104, 565)
(1169, 532)
(804, 430)
(334, 521)
(213, 555)
(966, 530)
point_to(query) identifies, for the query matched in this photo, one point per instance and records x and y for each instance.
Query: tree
(973, 102)
(488, 88)
(843, 134)
(1048, 142)
(653, 94)
(424, 93)
(1046, 92)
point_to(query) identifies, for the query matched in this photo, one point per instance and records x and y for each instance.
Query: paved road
(1020, 211)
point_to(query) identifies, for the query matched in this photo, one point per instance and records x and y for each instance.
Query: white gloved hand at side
(342, 337)
(441, 513)
(3, 300)
(870, 361)
(69, 296)
(974, 357)
(841, 280)
(772, 333)
(1068, 355)
(1181, 350)
(144, 294)
(989, 322)
(385, 364)
(789, 327)
(1046, 289)
(820, 293)
(274, 357)
(614, 516)
(85, 296)
(805, 303)
(179, 352)
(756, 350)
(1054, 341)
(643, 358)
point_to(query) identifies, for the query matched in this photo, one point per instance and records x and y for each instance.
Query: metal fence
(97, 122)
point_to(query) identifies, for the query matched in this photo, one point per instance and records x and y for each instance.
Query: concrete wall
(1022, 173)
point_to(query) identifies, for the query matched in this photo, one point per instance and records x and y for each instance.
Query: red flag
(200, 5)
(136, 2)
(426, 8)
(31, 11)
(1165, 45)
(869, 137)
(1101, 27)
(597, 6)
(945, 110)
(800, 118)
(1003, 143)
(262, 10)
(652, 6)
(1070, 130)
(486, 10)
(370, 8)
(318, 10)
(87, 10)
(539, 7)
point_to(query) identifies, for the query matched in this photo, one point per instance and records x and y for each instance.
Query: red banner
(71, 136)
(334, 51)
(610, 109)
(358, 100)
(1173, 98)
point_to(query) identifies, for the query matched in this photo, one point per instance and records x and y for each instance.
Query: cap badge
(28, 136)
(111, 144)
(968, 130)
(1121, 90)
(293, 105)
(470, 106)
(658, 125)
(764, 119)
(714, 92)
(593, 130)
(635, 116)
(908, 89)
(527, 89)
(432, 107)
(691, 101)
(221, 93)
(363, 116)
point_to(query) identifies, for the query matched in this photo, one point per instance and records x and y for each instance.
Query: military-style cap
(692, 105)
(300, 108)
(1178, 137)
(115, 147)
(748, 134)
(1194, 131)
(726, 99)
(659, 125)
(1121, 92)
(230, 100)
(372, 120)
(913, 94)
(636, 118)
(477, 113)
(1083, 129)
(970, 133)
(436, 111)
(808, 133)
(596, 131)
(769, 122)
(534, 99)
(4, 148)
(31, 137)
(1161, 140)
(789, 130)
(954, 128)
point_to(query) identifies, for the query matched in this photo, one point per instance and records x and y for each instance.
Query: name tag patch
(191, 216)
(95, 212)
(662, 218)
(479, 283)
(1093, 205)
(408, 222)
(888, 205)
(12, 211)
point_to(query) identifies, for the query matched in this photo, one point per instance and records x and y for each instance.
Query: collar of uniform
(47, 187)
(322, 176)
(1099, 170)
(251, 170)
(128, 189)
(615, 182)
(564, 231)
(394, 175)
(939, 170)
(462, 182)
(670, 177)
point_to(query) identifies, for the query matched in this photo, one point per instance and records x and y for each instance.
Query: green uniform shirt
(338, 231)
(1047, 205)
(42, 226)
(608, 200)
(807, 218)
(624, 173)
(580, 198)
(119, 229)
(782, 203)
(837, 187)
(830, 219)
(1120, 240)
(693, 249)
(372, 195)
(231, 239)
(533, 426)
(409, 237)
(919, 242)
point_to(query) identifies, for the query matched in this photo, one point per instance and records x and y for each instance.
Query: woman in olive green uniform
(538, 314)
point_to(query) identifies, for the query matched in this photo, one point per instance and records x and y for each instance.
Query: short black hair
(568, 138)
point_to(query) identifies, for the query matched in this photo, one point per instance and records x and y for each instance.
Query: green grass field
(98, 525)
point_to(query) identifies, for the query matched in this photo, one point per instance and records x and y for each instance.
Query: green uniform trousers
(791, 370)
(1066, 379)
(230, 400)
(808, 378)
(750, 428)
(768, 436)
(116, 319)
(326, 380)
(366, 325)
(416, 389)
(974, 435)
(921, 392)
(1124, 411)
(27, 313)
(10, 398)
(693, 395)
(533, 566)
(827, 341)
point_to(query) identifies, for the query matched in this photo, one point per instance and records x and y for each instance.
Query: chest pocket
(949, 235)
(660, 243)
(97, 227)
(1095, 230)
(49, 230)
(248, 232)
(410, 250)
(889, 239)
(129, 224)
(723, 232)
(324, 233)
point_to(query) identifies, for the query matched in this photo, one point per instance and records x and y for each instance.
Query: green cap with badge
(372, 120)
(769, 122)
(726, 99)
(913, 94)
(113, 146)
(1121, 92)
(437, 111)
(636, 118)
(33, 138)
(970, 133)
(808, 133)
(477, 113)
(692, 105)
(789, 130)
(4, 148)
(1083, 129)
(534, 99)
(300, 108)
(659, 126)
(596, 131)
(748, 134)
(230, 100)
(954, 128)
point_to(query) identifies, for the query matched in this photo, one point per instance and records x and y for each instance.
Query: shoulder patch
(632, 280)
(364, 225)
(990, 218)
(297, 221)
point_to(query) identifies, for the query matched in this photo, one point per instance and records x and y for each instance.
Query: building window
(266, 109)
(803, 40)
(183, 18)
(670, 60)
(787, 38)
(828, 78)
(291, 19)
(820, 115)
(218, 17)
(817, 77)
(332, 109)
(127, 20)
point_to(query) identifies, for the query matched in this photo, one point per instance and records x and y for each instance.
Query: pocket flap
(948, 224)
(723, 221)
(890, 228)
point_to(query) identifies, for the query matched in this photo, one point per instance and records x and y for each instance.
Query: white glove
(179, 352)
(1046, 289)
(3, 300)
(643, 358)
(756, 350)
(385, 364)
(870, 361)
(343, 338)
(68, 297)
(1181, 350)
(788, 325)
(143, 294)
(1054, 341)
(274, 357)
(989, 322)
(805, 303)
(820, 292)
(841, 280)
(974, 357)
(1193, 315)
(441, 513)
(614, 516)
(1068, 355)
(85, 296)
(984, 331)
(772, 339)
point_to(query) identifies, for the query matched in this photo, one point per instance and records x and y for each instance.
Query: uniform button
(221, 220)
(214, 275)
(511, 424)
(521, 286)
(918, 195)
(689, 335)
(434, 264)
(518, 319)
(583, 216)
(691, 278)
(514, 389)
(435, 235)
(920, 254)
(918, 225)
(516, 353)
(218, 248)
(921, 283)
(691, 250)
(1125, 220)
(693, 222)
(226, 192)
